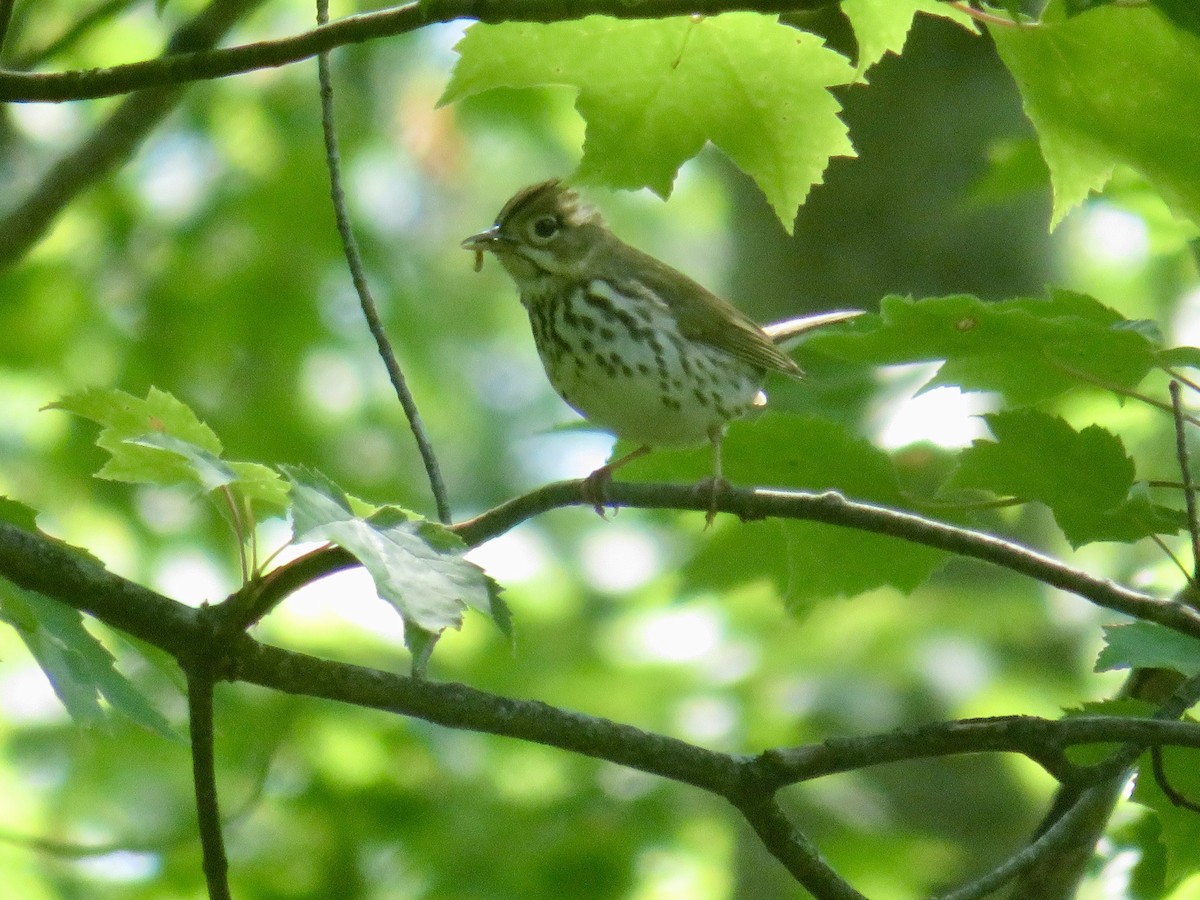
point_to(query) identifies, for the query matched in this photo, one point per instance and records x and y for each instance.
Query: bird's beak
(485, 240)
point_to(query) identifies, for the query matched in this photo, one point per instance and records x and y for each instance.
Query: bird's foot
(714, 486)
(594, 490)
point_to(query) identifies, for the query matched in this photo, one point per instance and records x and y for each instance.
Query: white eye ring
(545, 227)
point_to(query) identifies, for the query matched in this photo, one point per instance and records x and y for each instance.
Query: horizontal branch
(834, 509)
(23, 87)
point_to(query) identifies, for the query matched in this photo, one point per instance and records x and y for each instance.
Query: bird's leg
(595, 487)
(714, 483)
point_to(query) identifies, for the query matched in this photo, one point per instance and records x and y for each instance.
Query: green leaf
(160, 440)
(1085, 477)
(1027, 349)
(124, 418)
(809, 560)
(1180, 356)
(78, 666)
(653, 92)
(417, 565)
(882, 26)
(1184, 13)
(1148, 645)
(1118, 85)
(1180, 826)
(16, 513)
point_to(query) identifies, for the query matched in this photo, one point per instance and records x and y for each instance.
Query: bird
(633, 345)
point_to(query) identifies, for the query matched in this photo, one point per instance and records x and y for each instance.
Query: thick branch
(69, 575)
(22, 87)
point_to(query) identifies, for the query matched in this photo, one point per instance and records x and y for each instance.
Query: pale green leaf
(882, 26)
(653, 92)
(1117, 85)
(417, 565)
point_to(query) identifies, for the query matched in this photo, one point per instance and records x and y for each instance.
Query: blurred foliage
(209, 268)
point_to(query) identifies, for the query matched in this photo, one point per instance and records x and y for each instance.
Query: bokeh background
(209, 266)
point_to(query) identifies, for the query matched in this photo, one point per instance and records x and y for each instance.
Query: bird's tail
(789, 332)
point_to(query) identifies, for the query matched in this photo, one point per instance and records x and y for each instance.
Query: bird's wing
(701, 314)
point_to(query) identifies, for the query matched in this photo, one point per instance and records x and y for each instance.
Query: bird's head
(543, 230)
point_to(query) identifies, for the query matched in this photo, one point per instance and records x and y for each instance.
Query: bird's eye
(546, 227)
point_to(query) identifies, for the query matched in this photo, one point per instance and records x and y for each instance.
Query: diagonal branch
(361, 286)
(834, 509)
(206, 650)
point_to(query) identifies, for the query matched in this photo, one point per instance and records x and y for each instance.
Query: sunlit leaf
(417, 565)
(653, 92)
(1027, 349)
(1118, 85)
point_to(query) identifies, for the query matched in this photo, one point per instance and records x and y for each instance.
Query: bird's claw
(713, 485)
(594, 490)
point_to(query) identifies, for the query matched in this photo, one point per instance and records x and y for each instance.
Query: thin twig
(988, 18)
(365, 298)
(1044, 848)
(1162, 545)
(1114, 388)
(204, 777)
(1185, 472)
(1174, 373)
(1164, 784)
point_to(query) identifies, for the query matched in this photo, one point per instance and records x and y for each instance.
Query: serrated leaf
(160, 440)
(1118, 85)
(1148, 645)
(416, 565)
(1180, 826)
(78, 666)
(1029, 349)
(653, 92)
(809, 560)
(882, 26)
(1085, 477)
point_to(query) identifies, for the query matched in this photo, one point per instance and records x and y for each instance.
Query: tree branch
(204, 778)
(19, 87)
(208, 648)
(834, 509)
(363, 288)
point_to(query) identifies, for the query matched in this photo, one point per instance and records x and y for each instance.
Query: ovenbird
(632, 344)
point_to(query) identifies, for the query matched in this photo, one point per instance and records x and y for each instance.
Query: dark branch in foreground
(20, 87)
(38, 563)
